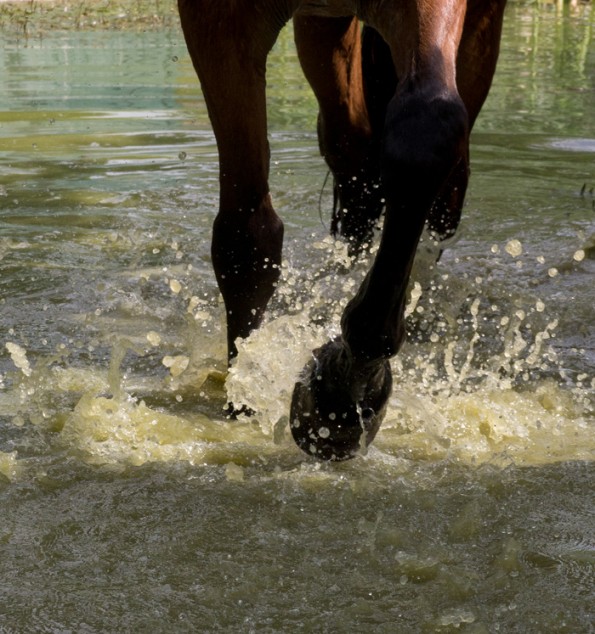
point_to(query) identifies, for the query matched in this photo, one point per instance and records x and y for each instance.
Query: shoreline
(29, 19)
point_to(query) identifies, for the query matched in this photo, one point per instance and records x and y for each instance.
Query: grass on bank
(28, 19)
(25, 19)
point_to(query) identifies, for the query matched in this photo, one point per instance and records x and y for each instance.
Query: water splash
(19, 357)
(477, 381)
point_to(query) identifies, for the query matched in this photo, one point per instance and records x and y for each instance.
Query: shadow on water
(130, 503)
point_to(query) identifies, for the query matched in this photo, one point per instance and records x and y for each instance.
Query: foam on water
(128, 432)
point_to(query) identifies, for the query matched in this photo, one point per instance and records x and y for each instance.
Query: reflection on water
(130, 503)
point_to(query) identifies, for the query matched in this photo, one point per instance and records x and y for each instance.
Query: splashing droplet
(514, 248)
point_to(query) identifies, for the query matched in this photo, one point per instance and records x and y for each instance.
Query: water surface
(129, 503)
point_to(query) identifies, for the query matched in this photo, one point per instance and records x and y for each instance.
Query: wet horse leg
(338, 405)
(330, 52)
(229, 46)
(476, 65)
(445, 71)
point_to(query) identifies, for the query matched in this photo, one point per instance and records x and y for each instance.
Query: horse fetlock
(426, 136)
(373, 324)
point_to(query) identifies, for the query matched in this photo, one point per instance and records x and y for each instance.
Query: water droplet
(154, 338)
(175, 286)
(514, 248)
(19, 357)
(579, 255)
(176, 364)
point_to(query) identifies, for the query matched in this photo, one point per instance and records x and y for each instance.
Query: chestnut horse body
(397, 101)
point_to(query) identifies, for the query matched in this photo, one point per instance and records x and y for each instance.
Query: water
(130, 504)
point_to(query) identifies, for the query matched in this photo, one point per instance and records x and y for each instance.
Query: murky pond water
(130, 504)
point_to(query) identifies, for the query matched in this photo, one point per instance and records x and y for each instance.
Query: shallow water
(130, 504)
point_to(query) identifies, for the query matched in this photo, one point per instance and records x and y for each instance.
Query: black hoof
(338, 405)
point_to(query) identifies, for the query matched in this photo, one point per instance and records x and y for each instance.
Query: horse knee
(425, 138)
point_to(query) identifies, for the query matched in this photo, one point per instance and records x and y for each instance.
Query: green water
(130, 504)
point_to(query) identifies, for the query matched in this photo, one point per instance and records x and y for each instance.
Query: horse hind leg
(379, 80)
(330, 52)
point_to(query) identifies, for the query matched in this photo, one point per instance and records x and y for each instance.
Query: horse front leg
(339, 403)
(229, 45)
(476, 64)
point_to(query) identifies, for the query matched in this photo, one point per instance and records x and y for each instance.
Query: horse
(399, 85)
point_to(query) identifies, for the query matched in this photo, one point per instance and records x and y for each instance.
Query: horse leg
(330, 52)
(476, 65)
(229, 48)
(338, 405)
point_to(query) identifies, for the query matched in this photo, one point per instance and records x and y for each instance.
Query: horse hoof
(231, 412)
(337, 405)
